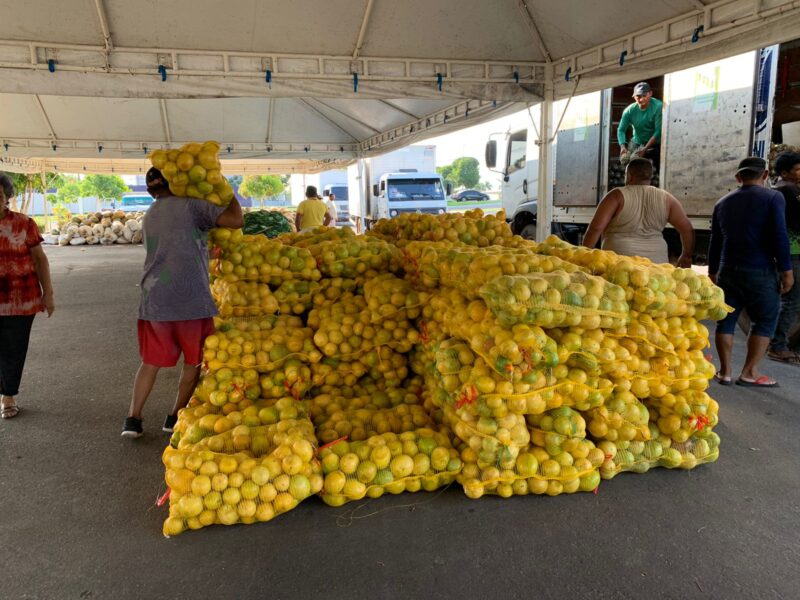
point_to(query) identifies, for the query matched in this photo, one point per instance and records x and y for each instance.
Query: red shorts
(161, 342)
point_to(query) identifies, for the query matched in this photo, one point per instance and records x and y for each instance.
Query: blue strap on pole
(567, 74)
(163, 70)
(100, 148)
(622, 58)
(516, 76)
(439, 80)
(494, 103)
(145, 149)
(268, 78)
(355, 83)
(696, 34)
(51, 65)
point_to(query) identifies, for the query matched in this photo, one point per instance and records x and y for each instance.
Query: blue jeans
(790, 306)
(757, 291)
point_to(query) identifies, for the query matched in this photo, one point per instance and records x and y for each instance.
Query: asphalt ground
(78, 518)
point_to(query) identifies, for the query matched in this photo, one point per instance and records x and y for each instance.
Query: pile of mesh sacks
(436, 350)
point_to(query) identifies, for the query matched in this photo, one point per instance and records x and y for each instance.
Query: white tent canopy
(311, 84)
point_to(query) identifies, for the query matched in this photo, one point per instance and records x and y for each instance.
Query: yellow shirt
(312, 213)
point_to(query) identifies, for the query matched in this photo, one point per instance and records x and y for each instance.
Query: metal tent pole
(544, 208)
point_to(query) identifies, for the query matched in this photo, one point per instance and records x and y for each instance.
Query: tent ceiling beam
(460, 111)
(398, 109)
(347, 116)
(720, 21)
(165, 121)
(328, 119)
(363, 30)
(53, 136)
(128, 165)
(522, 5)
(101, 15)
(138, 146)
(88, 58)
(269, 119)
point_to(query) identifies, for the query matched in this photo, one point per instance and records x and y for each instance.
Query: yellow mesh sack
(243, 298)
(532, 471)
(208, 488)
(256, 258)
(355, 257)
(681, 415)
(388, 463)
(661, 451)
(557, 299)
(471, 227)
(198, 422)
(260, 343)
(432, 265)
(362, 423)
(295, 296)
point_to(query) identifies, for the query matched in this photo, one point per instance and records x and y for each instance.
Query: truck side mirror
(491, 154)
(375, 190)
(449, 187)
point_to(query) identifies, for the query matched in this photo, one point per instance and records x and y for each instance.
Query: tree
(28, 184)
(103, 187)
(261, 187)
(466, 171)
(68, 191)
(447, 174)
(484, 186)
(235, 181)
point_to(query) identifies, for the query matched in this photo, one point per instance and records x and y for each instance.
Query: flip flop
(9, 412)
(722, 380)
(762, 381)
(790, 358)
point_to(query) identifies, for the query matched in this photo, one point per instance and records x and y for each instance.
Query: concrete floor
(78, 517)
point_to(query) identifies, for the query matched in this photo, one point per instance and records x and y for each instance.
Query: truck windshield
(415, 189)
(340, 191)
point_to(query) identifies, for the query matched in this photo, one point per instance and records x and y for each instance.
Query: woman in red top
(25, 289)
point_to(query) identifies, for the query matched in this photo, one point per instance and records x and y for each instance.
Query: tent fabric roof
(308, 82)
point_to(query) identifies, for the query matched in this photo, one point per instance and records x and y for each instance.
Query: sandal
(784, 356)
(9, 412)
(722, 380)
(762, 381)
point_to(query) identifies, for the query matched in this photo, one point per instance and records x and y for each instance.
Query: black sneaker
(132, 428)
(169, 424)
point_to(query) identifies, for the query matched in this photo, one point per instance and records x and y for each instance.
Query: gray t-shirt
(175, 280)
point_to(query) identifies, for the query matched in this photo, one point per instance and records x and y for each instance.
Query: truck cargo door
(578, 150)
(708, 118)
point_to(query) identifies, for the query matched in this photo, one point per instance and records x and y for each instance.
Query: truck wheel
(529, 232)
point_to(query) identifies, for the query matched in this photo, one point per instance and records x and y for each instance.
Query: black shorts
(755, 290)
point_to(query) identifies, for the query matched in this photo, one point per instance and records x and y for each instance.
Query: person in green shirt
(644, 115)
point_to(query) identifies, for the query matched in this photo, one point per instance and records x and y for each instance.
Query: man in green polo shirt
(644, 115)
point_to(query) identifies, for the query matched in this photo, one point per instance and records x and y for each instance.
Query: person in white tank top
(631, 219)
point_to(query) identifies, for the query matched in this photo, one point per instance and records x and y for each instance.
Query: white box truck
(397, 182)
(714, 115)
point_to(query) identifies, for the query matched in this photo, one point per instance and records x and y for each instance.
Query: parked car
(470, 196)
(134, 203)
